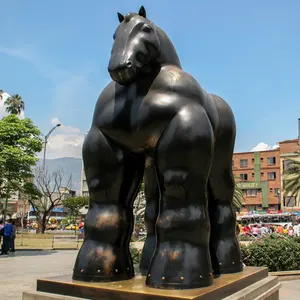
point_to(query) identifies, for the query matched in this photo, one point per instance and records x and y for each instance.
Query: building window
(252, 174)
(262, 174)
(286, 164)
(271, 175)
(244, 163)
(251, 193)
(244, 176)
(271, 161)
(290, 201)
(276, 191)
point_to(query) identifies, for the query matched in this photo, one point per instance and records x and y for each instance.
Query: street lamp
(45, 143)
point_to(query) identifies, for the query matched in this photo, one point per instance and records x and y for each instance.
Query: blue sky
(55, 55)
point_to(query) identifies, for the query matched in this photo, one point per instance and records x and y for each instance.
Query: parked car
(51, 227)
(72, 227)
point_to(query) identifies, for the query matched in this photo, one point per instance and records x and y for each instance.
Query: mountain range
(70, 166)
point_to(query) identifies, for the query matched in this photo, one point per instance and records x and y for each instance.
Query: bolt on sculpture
(154, 120)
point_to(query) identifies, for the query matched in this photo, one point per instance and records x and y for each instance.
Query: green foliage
(246, 238)
(238, 197)
(74, 204)
(291, 177)
(69, 220)
(19, 142)
(135, 254)
(14, 104)
(30, 190)
(276, 252)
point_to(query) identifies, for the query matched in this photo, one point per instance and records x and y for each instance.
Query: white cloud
(3, 112)
(263, 147)
(63, 128)
(30, 54)
(66, 141)
(19, 53)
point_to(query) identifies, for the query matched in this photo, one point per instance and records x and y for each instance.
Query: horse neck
(168, 54)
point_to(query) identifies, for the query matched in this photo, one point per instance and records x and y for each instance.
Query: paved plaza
(19, 272)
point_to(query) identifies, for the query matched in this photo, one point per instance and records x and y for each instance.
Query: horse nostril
(129, 64)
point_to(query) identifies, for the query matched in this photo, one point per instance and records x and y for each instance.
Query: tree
(74, 204)
(139, 204)
(28, 191)
(19, 142)
(291, 179)
(238, 198)
(1, 94)
(50, 190)
(14, 104)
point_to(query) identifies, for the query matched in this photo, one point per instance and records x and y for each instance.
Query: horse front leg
(183, 159)
(113, 181)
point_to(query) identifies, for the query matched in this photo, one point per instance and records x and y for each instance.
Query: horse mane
(168, 54)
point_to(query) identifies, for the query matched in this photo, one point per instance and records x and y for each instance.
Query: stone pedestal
(252, 283)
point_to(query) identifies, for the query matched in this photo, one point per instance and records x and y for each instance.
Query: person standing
(279, 229)
(1, 227)
(290, 231)
(264, 230)
(296, 229)
(13, 236)
(255, 230)
(8, 228)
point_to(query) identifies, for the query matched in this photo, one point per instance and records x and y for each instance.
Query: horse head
(136, 48)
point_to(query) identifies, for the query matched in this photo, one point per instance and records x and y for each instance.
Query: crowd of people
(7, 236)
(258, 230)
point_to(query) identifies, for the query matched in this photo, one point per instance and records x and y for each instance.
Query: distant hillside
(70, 165)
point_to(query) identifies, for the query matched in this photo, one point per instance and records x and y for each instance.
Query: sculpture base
(248, 284)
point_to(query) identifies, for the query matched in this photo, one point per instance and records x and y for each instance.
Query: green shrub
(276, 252)
(246, 238)
(135, 254)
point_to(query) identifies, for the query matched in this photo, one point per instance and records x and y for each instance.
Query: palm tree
(238, 196)
(1, 94)
(291, 177)
(14, 104)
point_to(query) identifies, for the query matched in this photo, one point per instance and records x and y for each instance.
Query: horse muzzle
(122, 74)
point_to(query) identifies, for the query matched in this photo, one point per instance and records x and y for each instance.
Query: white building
(84, 188)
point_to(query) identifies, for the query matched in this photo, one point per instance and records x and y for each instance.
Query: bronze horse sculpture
(154, 120)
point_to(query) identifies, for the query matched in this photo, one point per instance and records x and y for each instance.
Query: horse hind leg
(224, 247)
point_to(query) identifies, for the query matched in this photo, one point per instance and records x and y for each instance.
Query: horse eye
(147, 28)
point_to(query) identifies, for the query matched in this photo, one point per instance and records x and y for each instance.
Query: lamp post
(45, 143)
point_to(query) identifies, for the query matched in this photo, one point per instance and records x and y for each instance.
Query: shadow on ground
(29, 253)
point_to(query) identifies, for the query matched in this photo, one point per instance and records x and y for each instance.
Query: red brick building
(258, 175)
(289, 149)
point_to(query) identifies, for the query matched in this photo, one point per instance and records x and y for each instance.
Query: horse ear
(142, 11)
(120, 17)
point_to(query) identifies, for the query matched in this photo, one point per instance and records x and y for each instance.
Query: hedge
(276, 252)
